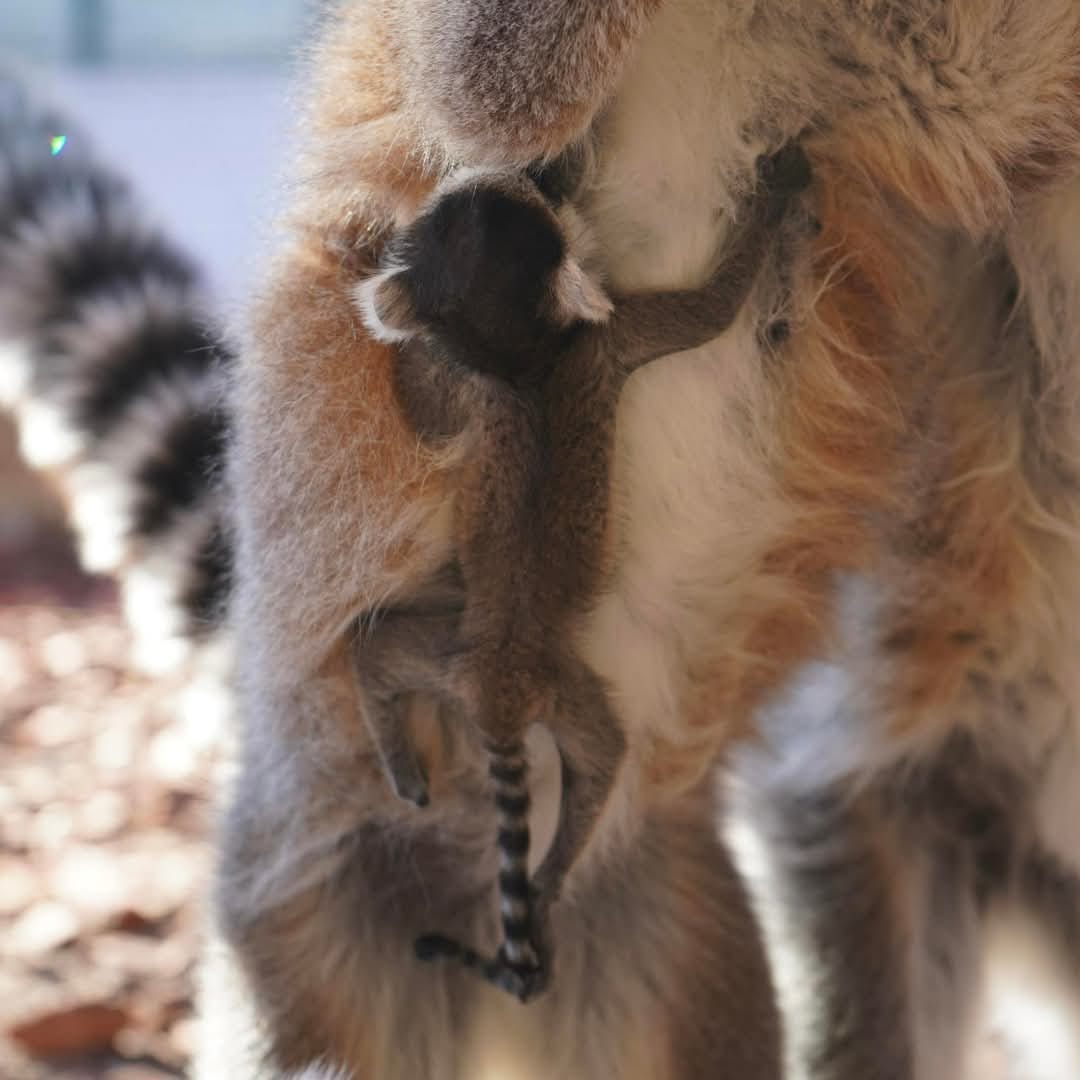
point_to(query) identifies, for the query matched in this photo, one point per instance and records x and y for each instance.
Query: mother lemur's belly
(693, 499)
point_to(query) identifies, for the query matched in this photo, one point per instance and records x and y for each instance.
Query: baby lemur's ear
(387, 305)
(577, 298)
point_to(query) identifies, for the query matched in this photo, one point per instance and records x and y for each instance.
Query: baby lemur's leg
(648, 325)
(395, 655)
(592, 746)
(379, 662)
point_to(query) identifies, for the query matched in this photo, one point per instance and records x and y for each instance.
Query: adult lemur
(743, 486)
(879, 440)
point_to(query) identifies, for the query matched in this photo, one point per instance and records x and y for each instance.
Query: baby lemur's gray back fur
(503, 337)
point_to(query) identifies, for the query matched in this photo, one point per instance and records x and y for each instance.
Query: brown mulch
(103, 825)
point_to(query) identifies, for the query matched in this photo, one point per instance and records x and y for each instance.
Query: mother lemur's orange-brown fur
(340, 492)
(856, 387)
(894, 176)
(927, 119)
(990, 113)
(974, 171)
(962, 169)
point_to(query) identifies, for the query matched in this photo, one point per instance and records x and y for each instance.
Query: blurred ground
(103, 780)
(103, 822)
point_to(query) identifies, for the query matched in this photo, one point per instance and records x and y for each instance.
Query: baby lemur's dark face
(485, 276)
(481, 270)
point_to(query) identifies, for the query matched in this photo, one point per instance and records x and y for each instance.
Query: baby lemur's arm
(648, 325)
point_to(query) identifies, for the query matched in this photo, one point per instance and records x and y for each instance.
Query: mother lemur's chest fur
(750, 470)
(692, 499)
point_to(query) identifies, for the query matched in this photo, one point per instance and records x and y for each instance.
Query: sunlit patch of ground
(103, 826)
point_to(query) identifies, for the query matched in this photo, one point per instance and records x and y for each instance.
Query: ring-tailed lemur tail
(508, 770)
(113, 376)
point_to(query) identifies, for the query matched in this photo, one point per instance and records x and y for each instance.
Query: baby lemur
(505, 340)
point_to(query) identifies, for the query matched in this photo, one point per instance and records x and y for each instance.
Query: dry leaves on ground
(103, 826)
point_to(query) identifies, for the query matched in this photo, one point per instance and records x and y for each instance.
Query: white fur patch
(791, 958)
(103, 489)
(365, 297)
(46, 436)
(14, 372)
(1032, 1000)
(577, 296)
(152, 588)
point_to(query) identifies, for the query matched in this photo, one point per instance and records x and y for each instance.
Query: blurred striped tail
(114, 377)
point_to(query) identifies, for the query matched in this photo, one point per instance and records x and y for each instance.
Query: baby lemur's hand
(784, 175)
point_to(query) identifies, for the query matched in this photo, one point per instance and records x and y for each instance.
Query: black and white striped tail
(518, 967)
(113, 376)
(509, 776)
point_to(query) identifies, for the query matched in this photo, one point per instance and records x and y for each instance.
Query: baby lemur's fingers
(786, 171)
(784, 175)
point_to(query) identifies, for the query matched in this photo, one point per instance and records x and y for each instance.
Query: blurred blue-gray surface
(187, 97)
(153, 32)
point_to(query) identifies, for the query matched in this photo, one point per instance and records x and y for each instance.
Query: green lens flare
(57, 143)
